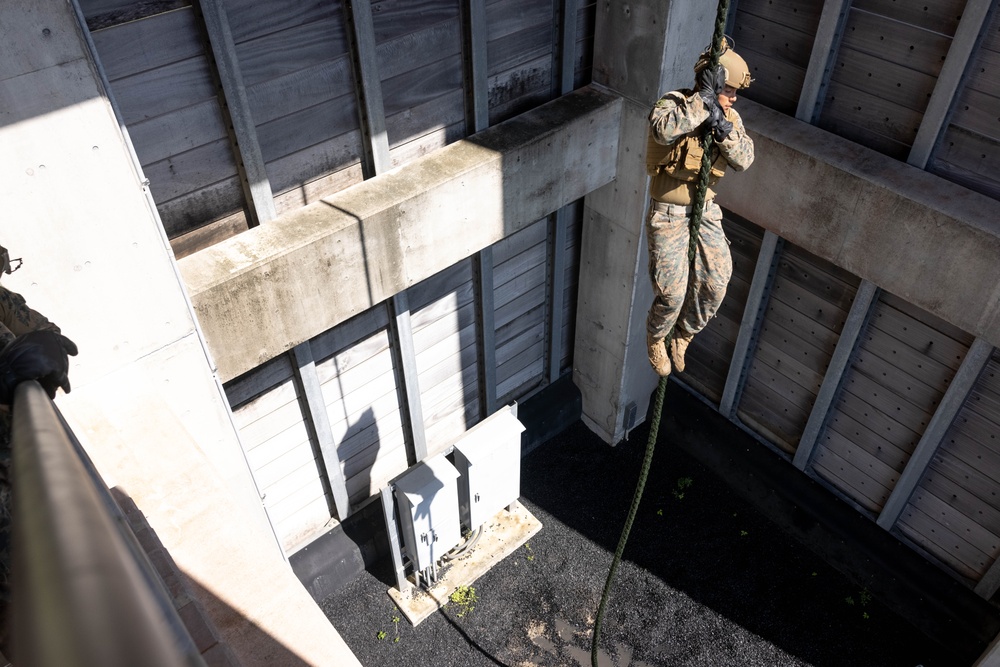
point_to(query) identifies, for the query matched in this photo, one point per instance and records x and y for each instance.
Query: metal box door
(427, 496)
(488, 458)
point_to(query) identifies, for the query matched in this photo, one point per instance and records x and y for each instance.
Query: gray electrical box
(488, 459)
(427, 497)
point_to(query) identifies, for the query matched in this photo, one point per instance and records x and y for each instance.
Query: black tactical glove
(710, 84)
(721, 128)
(36, 355)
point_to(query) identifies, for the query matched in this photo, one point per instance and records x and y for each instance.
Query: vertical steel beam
(958, 391)
(556, 241)
(482, 275)
(477, 114)
(559, 221)
(368, 86)
(319, 420)
(476, 81)
(406, 361)
(474, 36)
(990, 582)
(564, 55)
(825, 45)
(857, 321)
(963, 44)
(235, 105)
(392, 529)
(753, 315)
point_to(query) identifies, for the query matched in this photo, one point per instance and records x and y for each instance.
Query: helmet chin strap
(6, 265)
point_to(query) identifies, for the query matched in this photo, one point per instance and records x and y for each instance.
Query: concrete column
(145, 402)
(641, 50)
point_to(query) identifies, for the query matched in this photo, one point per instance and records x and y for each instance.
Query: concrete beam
(925, 239)
(265, 291)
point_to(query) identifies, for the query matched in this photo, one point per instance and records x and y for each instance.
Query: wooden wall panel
(443, 320)
(107, 13)
(250, 19)
(954, 514)
(419, 52)
(885, 71)
(282, 458)
(358, 382)
(520, 43)
(586, 19)
(519, 297)
(297, 73)
(969, 151)
(941, 16)
(162, 82)
(808, 305)
(776, 41)
(903, 365)
(708, 357)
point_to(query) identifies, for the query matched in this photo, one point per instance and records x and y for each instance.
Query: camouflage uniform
(16, 318)
(675, 122)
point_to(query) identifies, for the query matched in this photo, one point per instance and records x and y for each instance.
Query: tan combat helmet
(737, 71)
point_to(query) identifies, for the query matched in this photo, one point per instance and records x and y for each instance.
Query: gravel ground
(706, 580)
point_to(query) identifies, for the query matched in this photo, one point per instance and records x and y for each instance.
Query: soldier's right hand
(717, 121)
(721, 129)
(37, 355)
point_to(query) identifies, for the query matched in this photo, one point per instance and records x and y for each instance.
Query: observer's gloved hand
(36, 355)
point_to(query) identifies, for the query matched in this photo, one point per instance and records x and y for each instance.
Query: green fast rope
(695, 225)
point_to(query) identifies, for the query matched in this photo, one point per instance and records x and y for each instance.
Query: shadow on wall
(359, 449)
(212, 623)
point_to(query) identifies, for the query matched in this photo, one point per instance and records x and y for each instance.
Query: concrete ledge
(925, 239)
(264, 291)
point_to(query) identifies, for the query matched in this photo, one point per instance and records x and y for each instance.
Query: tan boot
(658, 358)
(678, 346)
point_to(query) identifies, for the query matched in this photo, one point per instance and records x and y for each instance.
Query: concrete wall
(263, 292)
(927, 240)
(145, 402)
(641, 50)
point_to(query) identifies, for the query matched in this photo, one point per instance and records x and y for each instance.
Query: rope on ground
(696, 212)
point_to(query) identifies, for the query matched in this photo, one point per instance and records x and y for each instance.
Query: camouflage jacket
(682, 112)
(17, 318)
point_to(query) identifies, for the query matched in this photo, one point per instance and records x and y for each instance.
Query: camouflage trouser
(676, 300)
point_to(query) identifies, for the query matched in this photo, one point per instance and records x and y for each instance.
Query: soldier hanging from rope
(684, 295)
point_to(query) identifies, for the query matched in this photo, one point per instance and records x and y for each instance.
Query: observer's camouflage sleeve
(737, 148)
(17, 318)
(675, 114)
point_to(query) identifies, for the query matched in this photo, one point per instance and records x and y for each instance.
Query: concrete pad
(502, 535)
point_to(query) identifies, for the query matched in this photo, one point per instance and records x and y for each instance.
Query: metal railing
(84, 592)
